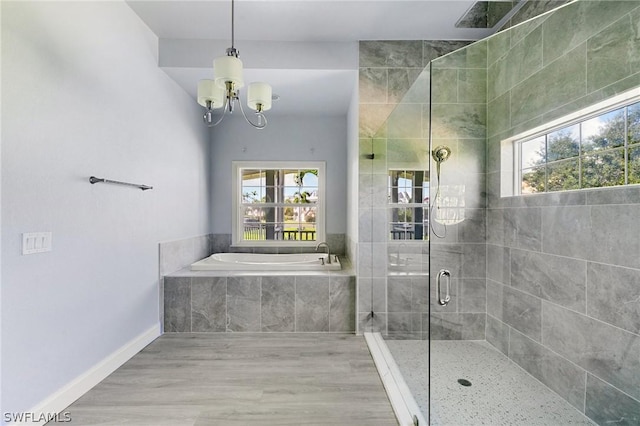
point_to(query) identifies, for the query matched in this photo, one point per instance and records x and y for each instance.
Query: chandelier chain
(232, 24)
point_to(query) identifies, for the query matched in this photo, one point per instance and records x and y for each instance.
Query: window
(278, 203)
(408, 204)
(594, 148)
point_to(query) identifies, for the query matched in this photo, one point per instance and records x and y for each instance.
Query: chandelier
(224, 90)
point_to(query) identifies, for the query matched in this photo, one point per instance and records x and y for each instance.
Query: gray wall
(320, 303)
(562, 270)
(82, 95)
(394, 125)
(458, 120)
(563, 285)
(531, 9)
(319, 138)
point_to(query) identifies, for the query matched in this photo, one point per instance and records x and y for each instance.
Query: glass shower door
(403, 233)
(457, 266)
(435, 275)
(403, 220)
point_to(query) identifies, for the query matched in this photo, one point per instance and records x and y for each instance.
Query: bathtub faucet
(328, 251)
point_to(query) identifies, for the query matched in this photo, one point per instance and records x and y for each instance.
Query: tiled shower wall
(563, 269)
(387, 70)
(394, 126)
(531, 9)
(458, 120)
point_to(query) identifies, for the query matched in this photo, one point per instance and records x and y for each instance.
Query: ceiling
(307, 50)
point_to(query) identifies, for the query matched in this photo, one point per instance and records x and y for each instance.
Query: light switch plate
(36, 242)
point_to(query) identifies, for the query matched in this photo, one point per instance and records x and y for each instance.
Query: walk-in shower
(473, 302)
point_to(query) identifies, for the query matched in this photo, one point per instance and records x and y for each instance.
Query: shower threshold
(404, 405)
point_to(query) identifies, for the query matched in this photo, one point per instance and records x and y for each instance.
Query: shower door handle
(447, 297)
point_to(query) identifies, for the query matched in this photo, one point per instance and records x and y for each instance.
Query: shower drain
(464, 382)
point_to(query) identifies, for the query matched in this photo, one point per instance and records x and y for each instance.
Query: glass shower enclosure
(461, 335)
(431, 225)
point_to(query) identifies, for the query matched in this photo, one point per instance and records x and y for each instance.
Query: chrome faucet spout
(324, 244)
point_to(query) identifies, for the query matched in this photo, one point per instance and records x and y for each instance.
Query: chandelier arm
(260, 115)
(224, 113)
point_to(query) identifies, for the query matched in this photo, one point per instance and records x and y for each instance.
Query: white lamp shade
(208, 91)
(228, 68)
(259, 93)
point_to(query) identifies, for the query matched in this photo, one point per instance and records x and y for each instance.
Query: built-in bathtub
(267, 262)
(261, 293)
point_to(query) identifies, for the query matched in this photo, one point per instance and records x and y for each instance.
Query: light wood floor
(241, 379)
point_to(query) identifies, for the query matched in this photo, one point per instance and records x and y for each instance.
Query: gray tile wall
(177, 254)
(260, 304)
(562, 274)
(458, 120)
(563, 269)
(394, 126)
(531, 9)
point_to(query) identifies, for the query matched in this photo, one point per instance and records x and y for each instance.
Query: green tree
(300, 197)
(633, 156)
(250, 197)
(299, 177)
(603, 156)
(563, 173)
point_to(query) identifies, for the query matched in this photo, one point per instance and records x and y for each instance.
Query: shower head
(441, 153)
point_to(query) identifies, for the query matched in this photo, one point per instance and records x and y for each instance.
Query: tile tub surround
(563, 269)
(175, 255)
(215, 301)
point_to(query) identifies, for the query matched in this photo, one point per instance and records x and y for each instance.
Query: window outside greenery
(279, 204)
(597, 152)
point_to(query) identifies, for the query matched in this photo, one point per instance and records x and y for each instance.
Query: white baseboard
(404, 405)
(61, 399)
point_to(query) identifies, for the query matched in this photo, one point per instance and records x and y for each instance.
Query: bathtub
(267, 262)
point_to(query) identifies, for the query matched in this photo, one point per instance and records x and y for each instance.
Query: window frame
(511, 153)
(237, 213)
(414, 206)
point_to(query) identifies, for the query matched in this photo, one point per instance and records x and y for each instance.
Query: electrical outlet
(36, 242)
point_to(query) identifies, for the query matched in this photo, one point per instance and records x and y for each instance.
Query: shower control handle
(447, 297)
